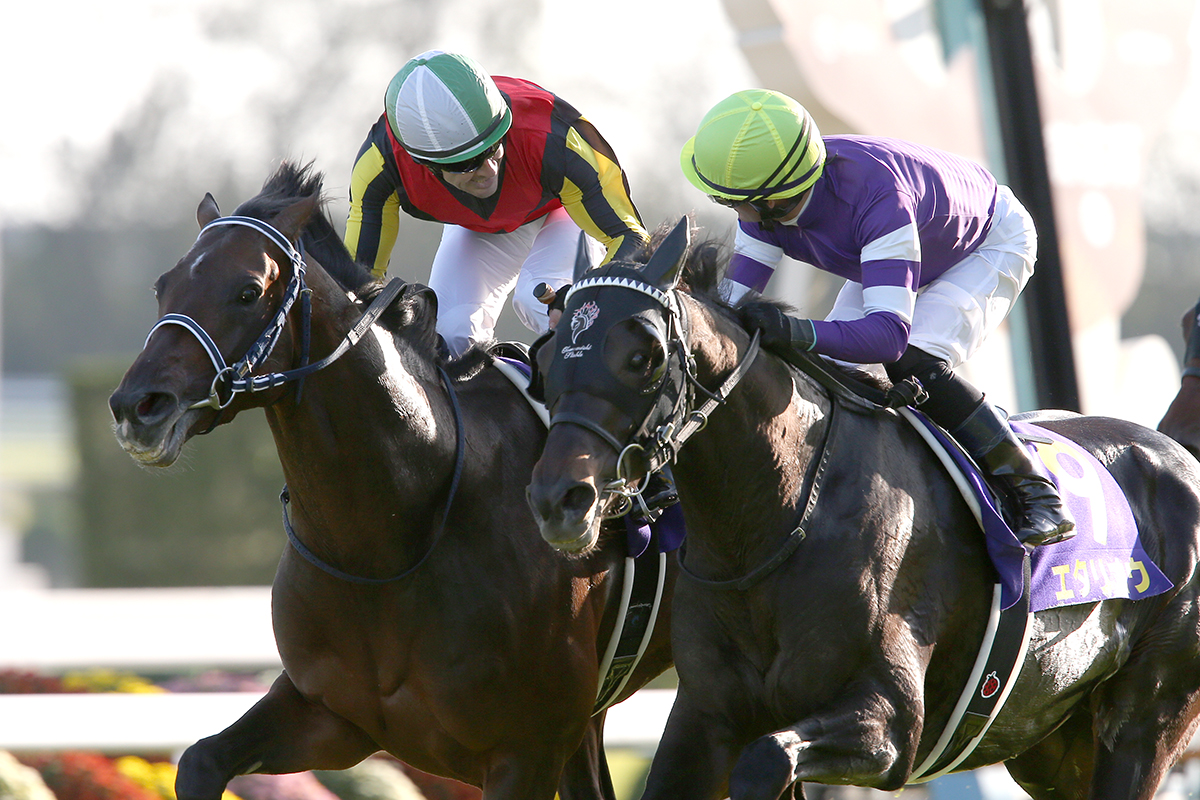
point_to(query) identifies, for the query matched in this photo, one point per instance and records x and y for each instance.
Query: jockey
(933, 250)
(513, 170)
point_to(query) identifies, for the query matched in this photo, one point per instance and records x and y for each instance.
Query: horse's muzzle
(567, 513)
(146, 424)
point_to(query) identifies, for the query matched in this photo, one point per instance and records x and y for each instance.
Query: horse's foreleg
(1138, 743)
(691, 760)
(862, 743)
(524, 774)
(282, 732)
(586, 776)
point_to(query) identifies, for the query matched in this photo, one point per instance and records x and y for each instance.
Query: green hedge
(212, 519)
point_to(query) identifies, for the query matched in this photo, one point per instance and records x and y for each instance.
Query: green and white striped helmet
(444, 108)
(754, 145)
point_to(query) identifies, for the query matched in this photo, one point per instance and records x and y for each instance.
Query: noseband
(238, 378)
(658, 441)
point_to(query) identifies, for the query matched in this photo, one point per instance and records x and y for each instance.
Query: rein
(329, 569)
(813, 481)
(845, 393)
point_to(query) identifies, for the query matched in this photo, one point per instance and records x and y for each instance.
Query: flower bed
(80, 775)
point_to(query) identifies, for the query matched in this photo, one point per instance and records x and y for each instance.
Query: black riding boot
(985, 434)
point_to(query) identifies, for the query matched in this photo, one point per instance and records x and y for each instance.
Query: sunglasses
(469, 165)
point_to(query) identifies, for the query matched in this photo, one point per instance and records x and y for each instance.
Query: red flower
(15, 681)
(78, 775)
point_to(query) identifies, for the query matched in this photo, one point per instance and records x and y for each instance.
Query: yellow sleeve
(596, 195)
(374, 220)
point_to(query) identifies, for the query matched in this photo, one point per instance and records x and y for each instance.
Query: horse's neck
(367, 435)
(754, 452)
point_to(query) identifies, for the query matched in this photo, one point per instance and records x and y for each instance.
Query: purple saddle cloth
(1104, 560)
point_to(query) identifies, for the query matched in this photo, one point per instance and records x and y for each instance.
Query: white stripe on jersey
(763, 252)
(902, 244)
(896, 299)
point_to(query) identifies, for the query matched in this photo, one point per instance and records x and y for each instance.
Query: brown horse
(837, 586)
(416, 611)
(1182, 420)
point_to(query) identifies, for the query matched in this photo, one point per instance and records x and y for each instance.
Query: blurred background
(120, 116)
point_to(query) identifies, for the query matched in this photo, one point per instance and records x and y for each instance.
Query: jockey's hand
(554, 299)
(778, 329)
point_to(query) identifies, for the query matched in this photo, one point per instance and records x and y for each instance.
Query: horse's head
(618, 382)
(225, 302)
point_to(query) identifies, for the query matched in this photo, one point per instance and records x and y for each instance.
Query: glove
(554, 300)
(778, 329)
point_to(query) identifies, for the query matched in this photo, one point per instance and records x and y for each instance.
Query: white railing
(155, 630)
(169, 722)
(164, 630)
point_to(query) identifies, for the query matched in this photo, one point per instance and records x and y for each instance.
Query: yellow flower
(157, 777)
(107, 680)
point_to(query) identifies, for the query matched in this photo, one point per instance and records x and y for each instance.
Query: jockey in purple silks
(933, 250)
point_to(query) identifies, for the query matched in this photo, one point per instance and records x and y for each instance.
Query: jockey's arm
(374, 220)
(595, 192)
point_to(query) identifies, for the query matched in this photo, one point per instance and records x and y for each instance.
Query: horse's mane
(292, 182)
(704, 263)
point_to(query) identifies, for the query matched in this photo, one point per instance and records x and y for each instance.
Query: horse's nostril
(579, 499)
(151, 406)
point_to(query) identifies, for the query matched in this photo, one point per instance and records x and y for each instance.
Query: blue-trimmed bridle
(238, 377)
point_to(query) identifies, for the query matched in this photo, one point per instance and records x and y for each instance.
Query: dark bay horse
(1182, 420)
(417, 611)
(836, 653)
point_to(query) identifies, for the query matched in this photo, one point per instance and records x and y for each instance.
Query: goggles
(765, 212)
(469, 165)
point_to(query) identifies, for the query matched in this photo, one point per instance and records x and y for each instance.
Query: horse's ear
(418, 309)
(583, 257)
(664, 267)
(207, 211)
(291, 221)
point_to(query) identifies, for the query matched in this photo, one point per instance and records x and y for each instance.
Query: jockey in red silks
(513, 171)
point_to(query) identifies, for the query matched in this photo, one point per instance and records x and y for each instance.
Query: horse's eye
(249, 295)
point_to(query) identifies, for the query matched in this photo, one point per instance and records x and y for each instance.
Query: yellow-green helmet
(754, 145)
